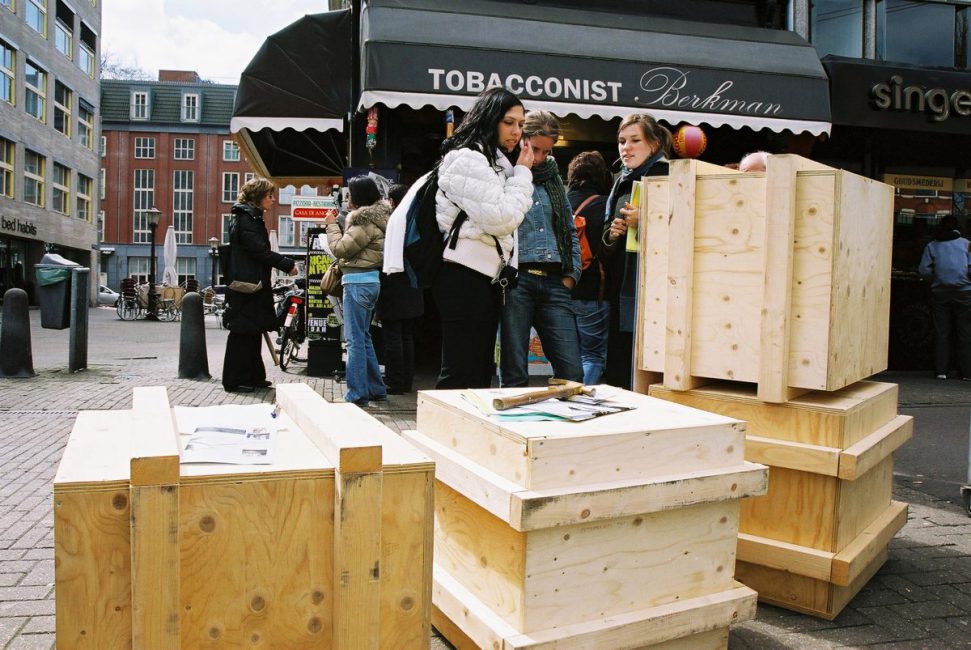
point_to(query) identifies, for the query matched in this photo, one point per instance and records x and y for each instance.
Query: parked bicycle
(292, 318)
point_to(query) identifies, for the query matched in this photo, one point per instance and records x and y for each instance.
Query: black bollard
(16, 359)
(193, 359)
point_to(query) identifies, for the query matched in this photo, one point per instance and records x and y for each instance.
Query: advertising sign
(321, 322)
(312, 208)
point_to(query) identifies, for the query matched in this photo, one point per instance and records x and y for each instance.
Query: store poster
(321, 320)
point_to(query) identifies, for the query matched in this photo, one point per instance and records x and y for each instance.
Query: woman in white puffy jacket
(477, 177)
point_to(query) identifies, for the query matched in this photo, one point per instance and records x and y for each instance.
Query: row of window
(62, 182)
(35, 14)
(140, 107)
(36, 94)
(139, 267)
(185, 149)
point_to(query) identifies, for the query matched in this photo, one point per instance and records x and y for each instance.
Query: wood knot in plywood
(207, 524)
(317, 597)
(255, 638)
(257, 604)
(314, 625)
(376, 571)
(215, 632)
(407, 603)
(585, 513)
(119, 501)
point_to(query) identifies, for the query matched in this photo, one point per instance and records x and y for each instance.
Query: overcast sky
(216, 38)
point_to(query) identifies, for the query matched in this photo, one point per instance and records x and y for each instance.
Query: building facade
(49, 114)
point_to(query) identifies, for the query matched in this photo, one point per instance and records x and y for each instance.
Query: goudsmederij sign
(911, 182)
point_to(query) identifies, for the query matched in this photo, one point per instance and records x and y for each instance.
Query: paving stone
(943, 630)
(41, 574)
(926, 609)
(40, 624)
(855, 635)
(32, 642)
(9, 627)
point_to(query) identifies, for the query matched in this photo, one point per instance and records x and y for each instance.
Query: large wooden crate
(617, 532)
(811, 543)
(779, 278)
(150, 554)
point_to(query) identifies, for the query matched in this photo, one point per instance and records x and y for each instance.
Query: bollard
(77, 354)
(193, 359)
(16, 359)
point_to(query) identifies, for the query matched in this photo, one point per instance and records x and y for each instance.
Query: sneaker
(940, 376)
(965, 378)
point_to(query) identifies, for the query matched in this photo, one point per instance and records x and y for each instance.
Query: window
(61, 183)
(230, 187)
(85, 124)
(8, 72)
(37, 16)
(138, 268)
(837, 27)
(101, 184)
(227, 220)
(34, 178)
(101, 226)
(144, 200)
(139, 105)
(35, 91)
(144, 147)
(85, 185)
(230, 151)
(286, 195)
(63, 98)
(103, 149)
(86, 60)
(7, 153)
(185, 267)
(285, 230)
(190, 107)
(185, 149)
(182, 205)
(63, 39)
(248, 176)
(915, 32)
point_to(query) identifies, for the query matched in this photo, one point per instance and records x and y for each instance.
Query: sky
(216, 38)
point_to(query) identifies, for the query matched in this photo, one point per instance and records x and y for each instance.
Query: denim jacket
(537, 241)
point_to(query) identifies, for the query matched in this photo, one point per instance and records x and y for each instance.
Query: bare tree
(111, 68)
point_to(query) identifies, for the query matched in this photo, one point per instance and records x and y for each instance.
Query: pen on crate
(275, 411)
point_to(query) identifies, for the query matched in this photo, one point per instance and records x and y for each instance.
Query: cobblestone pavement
(920, 599)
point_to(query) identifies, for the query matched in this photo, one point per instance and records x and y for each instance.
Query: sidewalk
(920, 599)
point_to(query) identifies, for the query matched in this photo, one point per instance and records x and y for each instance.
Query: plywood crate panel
(779, 278)
(254, 555)
(582, 523)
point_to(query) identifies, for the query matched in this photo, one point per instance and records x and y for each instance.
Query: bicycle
(292, 319)
(128, 305)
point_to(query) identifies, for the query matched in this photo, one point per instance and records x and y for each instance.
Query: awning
(590, 63)
(294, 97)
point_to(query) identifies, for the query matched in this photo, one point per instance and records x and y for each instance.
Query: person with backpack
(549, 267)
(359, 250)
(484, 191)
(249, 298)
(588, 182)
(945, 264)
(643, 145)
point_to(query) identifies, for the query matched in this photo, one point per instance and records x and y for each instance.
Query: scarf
(625, 182)
(547, 175)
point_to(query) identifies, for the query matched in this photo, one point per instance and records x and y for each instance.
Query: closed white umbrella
(275, 247)
(170, 276)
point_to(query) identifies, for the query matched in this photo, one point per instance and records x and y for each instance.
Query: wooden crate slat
(866, 454)
(852, 561)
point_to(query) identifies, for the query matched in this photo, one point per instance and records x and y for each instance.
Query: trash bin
(54, 290)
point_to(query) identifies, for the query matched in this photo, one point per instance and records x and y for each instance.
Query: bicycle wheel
(167, 311)
(127, 310)
(286, 343)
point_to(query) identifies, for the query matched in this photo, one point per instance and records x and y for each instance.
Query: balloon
(689, 141)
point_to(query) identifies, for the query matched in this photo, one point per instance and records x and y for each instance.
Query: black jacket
(588, 288)
(251, 261)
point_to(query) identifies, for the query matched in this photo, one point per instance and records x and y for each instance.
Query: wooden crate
(587, 534)
(779, 278)
(828, 515)
(150, 554)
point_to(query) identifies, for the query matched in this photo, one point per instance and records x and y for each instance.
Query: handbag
(330, 284)
(245, 287)
(507, 277)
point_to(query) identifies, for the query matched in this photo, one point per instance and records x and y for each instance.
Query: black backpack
(424, 243)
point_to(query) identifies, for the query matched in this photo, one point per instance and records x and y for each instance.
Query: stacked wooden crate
(617, 532)
(150, 555)
(781, 280)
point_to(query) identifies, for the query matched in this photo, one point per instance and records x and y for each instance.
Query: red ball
(689, 141)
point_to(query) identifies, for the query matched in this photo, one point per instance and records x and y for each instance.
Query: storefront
(23, 242)
(910, 127)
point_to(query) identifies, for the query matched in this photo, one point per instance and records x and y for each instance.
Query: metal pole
(212, 276)
(78, 336)
(152, 313)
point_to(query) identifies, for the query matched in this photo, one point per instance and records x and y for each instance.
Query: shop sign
(19, 226)
(312, 208)
(937, 103)
(962, 185)
(926, 183)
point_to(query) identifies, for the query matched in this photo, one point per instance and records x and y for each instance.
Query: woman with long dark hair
(485, 176)
(643, 145)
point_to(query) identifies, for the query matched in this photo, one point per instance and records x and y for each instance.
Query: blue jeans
(542, 302)
(363, 374)
(593, 319)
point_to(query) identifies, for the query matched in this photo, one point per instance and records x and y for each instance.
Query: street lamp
(153, 215)
(214, 254)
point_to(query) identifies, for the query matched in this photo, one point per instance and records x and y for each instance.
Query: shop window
(34, 178)
(8, 72)
(139, 105)
(185, 149)
(190, 107)
(182, 182)
(84, 197)
(837, 27)
(138, 268)
(145, 148)
(144, 200)
(63, 99)
(230, 187)
(85, 124)
(915, 32)
(230, 151)
(61, 184)
(7, 153)
(37, 16)
(185, 267)
(35, 91)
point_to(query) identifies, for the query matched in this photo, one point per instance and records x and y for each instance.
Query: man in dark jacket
(249, 310)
